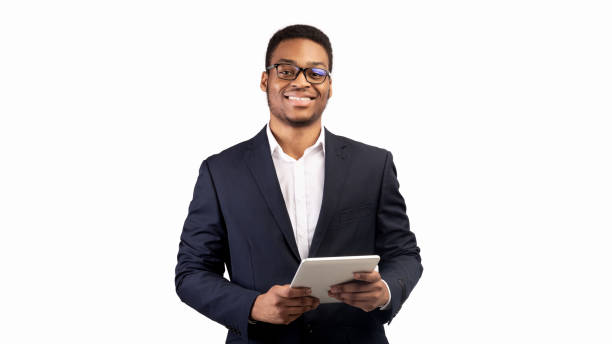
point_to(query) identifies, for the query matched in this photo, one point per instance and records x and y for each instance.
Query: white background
(497, 114)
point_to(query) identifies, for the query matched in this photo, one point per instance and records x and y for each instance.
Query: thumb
(371, 276)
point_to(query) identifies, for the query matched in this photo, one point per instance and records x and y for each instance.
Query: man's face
(297, 113)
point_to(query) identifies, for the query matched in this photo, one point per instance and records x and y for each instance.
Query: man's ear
(264, 81)
(330, 89)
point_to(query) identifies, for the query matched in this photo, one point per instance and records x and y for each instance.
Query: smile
(298, 98)
(299, 101)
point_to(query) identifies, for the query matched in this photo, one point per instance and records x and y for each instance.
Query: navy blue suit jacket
(238, 218)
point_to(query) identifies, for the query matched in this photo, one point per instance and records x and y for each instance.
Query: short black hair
(299, 31)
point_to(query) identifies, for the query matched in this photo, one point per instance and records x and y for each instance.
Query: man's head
(298, 102)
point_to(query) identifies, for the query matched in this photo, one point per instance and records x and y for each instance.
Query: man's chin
(302, 121)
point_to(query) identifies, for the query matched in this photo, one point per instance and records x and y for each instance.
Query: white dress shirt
(301, 182)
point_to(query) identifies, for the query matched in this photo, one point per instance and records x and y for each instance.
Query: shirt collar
(274, 144)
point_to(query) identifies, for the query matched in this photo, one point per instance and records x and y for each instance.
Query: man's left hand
(368, 292)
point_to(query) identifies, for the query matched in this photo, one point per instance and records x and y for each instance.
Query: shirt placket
(300, 208)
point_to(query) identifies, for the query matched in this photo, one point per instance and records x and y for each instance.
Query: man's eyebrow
(286, 61)
(315, 63)
(311, 63)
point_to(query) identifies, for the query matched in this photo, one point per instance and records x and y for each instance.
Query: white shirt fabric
(301, 182)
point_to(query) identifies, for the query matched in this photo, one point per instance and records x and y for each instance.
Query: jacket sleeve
(203, 251)
(400, 261)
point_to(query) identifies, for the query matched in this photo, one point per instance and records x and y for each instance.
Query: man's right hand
(282, 304)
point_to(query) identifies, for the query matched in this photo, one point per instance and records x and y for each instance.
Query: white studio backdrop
(497, 114)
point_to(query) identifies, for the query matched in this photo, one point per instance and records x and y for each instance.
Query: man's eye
(317, 73)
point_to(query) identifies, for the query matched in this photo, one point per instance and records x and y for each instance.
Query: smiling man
(294, 191)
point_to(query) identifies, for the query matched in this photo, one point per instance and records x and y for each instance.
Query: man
(293, 191)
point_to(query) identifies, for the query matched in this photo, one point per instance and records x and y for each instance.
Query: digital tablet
(319, 274)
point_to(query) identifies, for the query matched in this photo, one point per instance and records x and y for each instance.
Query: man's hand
(282, 304)
(368, 292)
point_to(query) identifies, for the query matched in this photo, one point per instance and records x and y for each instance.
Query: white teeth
(298, 98)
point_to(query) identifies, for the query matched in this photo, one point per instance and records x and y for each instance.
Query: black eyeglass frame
(300, 70)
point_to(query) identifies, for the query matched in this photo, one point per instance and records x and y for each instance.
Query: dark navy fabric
(238, 219)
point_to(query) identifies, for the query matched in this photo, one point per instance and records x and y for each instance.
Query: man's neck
(295, 140)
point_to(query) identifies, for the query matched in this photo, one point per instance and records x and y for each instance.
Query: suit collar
(259, 161)
(337, 163)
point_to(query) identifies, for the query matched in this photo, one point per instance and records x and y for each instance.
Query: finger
(299, 292)
(372, 276)
(359, 297)
(299, 301)
(289, 292)
(291, 318)
(298, 310)
(366, 306)
(292, 311)
(314, 301)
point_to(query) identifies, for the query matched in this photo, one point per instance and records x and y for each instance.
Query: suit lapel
(260, 163)
(337, 163)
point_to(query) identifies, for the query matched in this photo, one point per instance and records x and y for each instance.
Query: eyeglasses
(288, 71)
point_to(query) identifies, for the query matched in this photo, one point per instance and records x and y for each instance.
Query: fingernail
(357, 275)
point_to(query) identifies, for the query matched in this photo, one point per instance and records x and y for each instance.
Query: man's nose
(301, 81)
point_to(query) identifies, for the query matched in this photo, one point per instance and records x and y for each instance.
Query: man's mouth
(299, 101)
